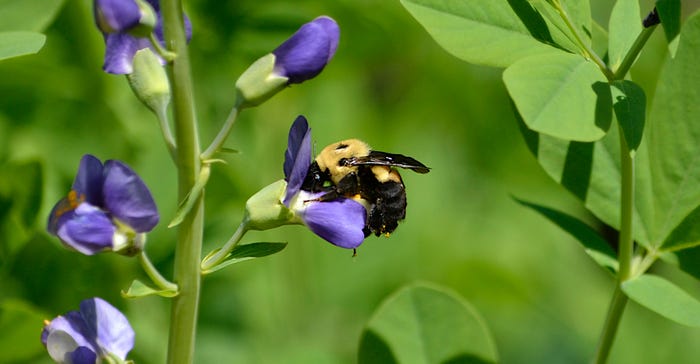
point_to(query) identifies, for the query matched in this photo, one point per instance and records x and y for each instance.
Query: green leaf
(674, 140)
(487, 32)
(687, 260)
(579, 13)
(15, 44)
(670, 15)
(686, 235)
(21, 326)
(594, 245)
(664, 298)
(630, 105)
(31, 15)
(599, 40)
(241, 253)
(561, 95)
(591, 171)
(625, 26)
(426, 324)
(139, 289)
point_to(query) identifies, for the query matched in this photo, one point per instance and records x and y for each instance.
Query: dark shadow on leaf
(374, 350)
(532, 138)
(576, 176)
(603, 105)
(689, 261)
(467, 359)
(533, 21)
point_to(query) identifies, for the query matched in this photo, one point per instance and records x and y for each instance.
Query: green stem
(214, 259)
(162, 115)
(587, 50)
(632, 54)
(626, 247)
(167, 55)
(625, 253)
(223, 134)
(612, 321)
(154, 275)
(188, 250)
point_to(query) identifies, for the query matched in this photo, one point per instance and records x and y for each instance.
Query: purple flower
(96, 331)
(339, 221)
(304, 55)
(108, 208)
(121, 23)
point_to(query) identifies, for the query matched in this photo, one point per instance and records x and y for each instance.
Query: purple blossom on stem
(118, 20)
(339, 221)
(304, 55)
(96, 331)
(109, 207)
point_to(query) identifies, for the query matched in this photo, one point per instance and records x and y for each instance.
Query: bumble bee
(349, 168)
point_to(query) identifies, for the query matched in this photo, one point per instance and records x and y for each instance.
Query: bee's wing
(376, 158)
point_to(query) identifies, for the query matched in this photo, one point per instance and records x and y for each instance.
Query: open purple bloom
(339, 221)
(96, 331)
(108, 208)
(306, 52)
(118, 21)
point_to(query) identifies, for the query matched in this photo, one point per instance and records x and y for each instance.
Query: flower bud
(265, 210)
(149, 81)
(301, 57)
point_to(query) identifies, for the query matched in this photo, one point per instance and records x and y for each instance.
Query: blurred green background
(390, 85)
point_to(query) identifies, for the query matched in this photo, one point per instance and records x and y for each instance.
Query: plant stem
(625, 253)
(154, 275)
(223, 134)
(612, 321)
(633, 53)
(183, 318)
(218, 257)
(626, 247)
(162, 115)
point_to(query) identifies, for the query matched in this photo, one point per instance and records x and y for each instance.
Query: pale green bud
(265, 210)
(149, 81)
(259, 82)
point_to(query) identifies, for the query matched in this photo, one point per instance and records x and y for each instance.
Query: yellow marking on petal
(69, 203)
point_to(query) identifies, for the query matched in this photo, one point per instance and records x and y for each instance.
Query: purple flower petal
(297, 158)
(87, 229)
(306, 52)
(71, 323)
(88, 181)
(127, 198)
(113, 16)
(340, 221)
(120, 49)
(110, 327)
(80, 337)
(83, 355)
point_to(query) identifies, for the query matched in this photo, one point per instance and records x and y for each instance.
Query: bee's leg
(328, 196)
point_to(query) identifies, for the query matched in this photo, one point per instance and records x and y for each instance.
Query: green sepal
(147, 22)
(150, 82)
(241, 253)
(259, 82)
(265, 210)
(139, 289)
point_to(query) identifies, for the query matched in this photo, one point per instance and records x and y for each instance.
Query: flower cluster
(96, 331)
(126, 26)
(108, 208)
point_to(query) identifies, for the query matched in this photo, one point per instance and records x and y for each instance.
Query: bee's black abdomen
(388, 208)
